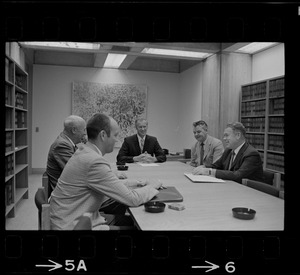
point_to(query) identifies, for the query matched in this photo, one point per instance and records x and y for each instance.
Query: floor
(26, 215)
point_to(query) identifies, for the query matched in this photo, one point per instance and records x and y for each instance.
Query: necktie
(201, 153)
(142, 144)
(231, 159)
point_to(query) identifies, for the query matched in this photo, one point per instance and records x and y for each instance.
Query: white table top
(208, 206)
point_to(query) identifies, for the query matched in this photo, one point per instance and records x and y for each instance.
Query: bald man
(64, 147)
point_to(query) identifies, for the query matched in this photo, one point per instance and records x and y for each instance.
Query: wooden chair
(270, 184)
(41, 202)
(45, 184)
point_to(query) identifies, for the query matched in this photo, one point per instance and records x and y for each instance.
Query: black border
(164, 252)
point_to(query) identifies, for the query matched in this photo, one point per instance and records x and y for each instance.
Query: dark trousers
(114, 212)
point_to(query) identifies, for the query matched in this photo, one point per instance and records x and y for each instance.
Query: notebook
(170, 194)
(202, 178)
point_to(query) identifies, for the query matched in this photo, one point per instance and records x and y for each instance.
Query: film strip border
(161, 253)
(159, 22)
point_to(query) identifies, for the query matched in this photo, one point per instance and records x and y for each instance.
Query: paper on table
(202, 178)
(147, 164)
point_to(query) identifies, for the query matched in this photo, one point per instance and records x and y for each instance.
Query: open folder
(202, 178)
(170, 194)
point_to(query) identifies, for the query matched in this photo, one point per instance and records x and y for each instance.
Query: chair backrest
(41, 202)
(45, 184)
(272, 178)
(261, 186)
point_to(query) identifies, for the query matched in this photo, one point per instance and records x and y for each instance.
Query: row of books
(8, 118)
(276, 87)
(257, 141)
(20, 100)
(8, 141)
(276, 106)
(8, 95)
(254, 91)
(253, 108)
(9, 70)
(275, 162)
(9, 193)
(276, 124)
(276, 143)
(20, 120)
(9, 165)
(21, 81)
(254, 124)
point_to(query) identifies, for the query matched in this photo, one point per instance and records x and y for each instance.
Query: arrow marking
(55, 266)
(210, 267)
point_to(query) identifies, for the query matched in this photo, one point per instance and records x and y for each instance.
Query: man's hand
(154, 183)
(200, 170)
(121, 175)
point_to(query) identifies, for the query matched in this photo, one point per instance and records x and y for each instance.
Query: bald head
(75, 128)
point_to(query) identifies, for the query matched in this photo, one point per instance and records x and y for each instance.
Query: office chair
(41, 202)
(270, 183)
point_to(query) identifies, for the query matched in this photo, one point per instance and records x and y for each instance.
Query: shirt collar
(139, 138)
(236, 150)
(71, 141)
(98, 150)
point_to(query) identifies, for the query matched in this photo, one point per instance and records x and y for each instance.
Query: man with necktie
(207, 149)
(63, 148)
(239, 160)
(141, 147)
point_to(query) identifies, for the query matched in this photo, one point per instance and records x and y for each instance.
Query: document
(202, 178)
(147, 164)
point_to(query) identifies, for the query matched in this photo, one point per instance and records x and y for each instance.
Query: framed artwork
(123, 102)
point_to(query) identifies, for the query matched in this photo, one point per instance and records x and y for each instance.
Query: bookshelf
(262, 113)
(16, 136)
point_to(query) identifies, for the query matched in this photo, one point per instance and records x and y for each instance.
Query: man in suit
(141, 147)
(207, 149)
(239, 160)
(64, 147)
(88, 180)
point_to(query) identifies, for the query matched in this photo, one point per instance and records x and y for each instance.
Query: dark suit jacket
(247, 164)
(60, 152)
(131, 148)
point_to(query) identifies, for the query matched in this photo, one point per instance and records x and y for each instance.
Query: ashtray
(154, 206)
(122, 167)
(243, 213)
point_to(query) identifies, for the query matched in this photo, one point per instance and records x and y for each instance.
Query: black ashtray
(243, 213)
(122, 167)
(154, 206)
(120, 163)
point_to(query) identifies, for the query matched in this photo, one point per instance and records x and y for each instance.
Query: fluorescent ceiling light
(176, 53)
(256, 47)
(114, 60)
(67, 45)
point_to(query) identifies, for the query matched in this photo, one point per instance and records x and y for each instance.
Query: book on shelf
(276, 143)
(276, 106)
(8, 193)
(275, 162)
(254, 91)
(276, 124)
(276, 88)
(256, 140)
(254, 124)
(9, 142)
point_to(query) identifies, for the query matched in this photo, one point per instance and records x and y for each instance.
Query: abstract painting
(123, 102)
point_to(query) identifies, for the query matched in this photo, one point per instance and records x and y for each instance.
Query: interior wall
(269, 63)
(235, 72)
(190, 102)
(52, 87)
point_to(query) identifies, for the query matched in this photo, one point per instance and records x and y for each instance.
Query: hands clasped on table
(144, 157)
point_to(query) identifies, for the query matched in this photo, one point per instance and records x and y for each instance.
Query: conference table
(208, 206)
